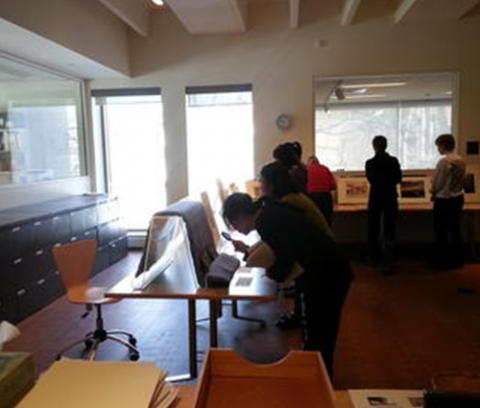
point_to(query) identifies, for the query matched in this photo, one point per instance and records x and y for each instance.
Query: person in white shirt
(447, 196)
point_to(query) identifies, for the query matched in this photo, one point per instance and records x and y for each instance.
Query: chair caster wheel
(88, 344)
(134, 356)
(132, 341)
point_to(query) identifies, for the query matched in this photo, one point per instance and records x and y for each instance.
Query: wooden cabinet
(28, 277)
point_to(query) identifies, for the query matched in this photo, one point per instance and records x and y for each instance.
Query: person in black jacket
(383, 173)
(294, 238)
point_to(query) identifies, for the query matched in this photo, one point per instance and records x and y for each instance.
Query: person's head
(297, 148)
(313, 160)
(379, 144)
(239, 211)
(445, 143)
(286, 154)
(276, 180)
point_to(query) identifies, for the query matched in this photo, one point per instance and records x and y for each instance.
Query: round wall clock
(284, 121)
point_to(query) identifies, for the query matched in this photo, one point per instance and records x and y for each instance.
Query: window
(344, 133)
(131, 123)
(41, 125)
(410, 110)
(220, 136)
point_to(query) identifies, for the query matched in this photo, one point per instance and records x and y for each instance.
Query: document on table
(80, 384)
(386, 398)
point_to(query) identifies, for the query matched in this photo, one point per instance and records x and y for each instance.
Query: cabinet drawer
(102, 260)
(4, 244)
(8, 309)
(83, 220)
(20, 240)
(7, 281)
(23, 269)
(118, 250)
(42, 231)
(60, 228)
(44, 263)
(26, 302)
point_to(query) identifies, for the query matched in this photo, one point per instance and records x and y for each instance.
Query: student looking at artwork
(320, 186)
(447, 196)
(290, 154)
(383, 173)
(294, 238)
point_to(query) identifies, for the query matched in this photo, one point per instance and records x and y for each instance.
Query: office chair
(75, 262)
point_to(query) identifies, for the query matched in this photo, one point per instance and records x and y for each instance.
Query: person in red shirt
(320, 185)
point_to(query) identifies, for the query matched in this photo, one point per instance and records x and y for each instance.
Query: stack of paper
(386, 398)
(80, 384)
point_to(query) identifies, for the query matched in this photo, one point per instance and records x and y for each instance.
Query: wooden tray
(299, 380)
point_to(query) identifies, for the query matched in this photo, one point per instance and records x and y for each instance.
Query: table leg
(192, 335)
(213, 323)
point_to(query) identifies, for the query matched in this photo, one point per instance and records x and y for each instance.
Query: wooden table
(179, 281)
(186, 398)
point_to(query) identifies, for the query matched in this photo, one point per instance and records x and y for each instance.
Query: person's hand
(240, 246)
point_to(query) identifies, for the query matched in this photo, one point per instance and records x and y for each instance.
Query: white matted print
(415, 189)
(353, 190)
(472, 183)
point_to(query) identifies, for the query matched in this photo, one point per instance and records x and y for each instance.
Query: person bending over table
(294, 238)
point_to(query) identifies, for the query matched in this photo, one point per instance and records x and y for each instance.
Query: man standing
(447, 197)
(383, 173)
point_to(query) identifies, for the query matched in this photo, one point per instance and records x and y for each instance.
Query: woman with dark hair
(289, 154)
(294, 238)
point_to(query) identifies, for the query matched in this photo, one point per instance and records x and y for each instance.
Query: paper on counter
(7, 332)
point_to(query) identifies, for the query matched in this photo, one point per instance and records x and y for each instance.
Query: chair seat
(92, 295)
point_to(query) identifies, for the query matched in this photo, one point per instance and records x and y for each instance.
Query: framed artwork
(472, 183)
(353, 190)
(415, 189)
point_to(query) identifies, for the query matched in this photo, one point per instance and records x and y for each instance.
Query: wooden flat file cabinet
(28, 277)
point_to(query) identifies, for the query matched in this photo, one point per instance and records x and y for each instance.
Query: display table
(186, 398)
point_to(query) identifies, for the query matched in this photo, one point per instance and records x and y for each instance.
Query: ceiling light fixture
(158, 3)
(374, 85)
(364, 96)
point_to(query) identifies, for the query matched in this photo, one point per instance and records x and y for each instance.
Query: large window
(131, 124)
(344, 133)
(41, 125)
(220, 136)
(409, 110)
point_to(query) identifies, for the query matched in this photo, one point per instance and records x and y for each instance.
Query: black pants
(378, 211)
(321, 315)
(448, 234)
(324, 202)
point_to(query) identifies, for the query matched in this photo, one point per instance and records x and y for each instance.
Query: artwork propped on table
(472, 183)
(353, 190)
(415, 189)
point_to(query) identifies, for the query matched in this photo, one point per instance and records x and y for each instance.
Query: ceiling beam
(132, 12)
(294, 13)
(350, 9)
(403, 9)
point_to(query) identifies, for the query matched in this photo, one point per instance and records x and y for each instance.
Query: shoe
(289, 321)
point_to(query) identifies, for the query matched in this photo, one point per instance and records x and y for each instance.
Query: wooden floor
(396, 331)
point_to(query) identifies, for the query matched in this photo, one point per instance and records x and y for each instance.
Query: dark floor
(396, 332)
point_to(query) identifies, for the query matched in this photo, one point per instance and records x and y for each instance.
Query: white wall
(281, 64)
(84, 26)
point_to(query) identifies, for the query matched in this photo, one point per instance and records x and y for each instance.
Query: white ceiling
(24, 44)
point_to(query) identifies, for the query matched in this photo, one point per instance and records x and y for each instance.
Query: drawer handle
(58, 244)
(17, 261)
(38, 223)
(21, 292)
(73, 239)
(39, 252)
(40, 282)
(56, 218)
(57, 273)
(16, 229)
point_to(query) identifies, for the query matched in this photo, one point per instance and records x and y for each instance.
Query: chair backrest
(75, 263)
(210, 216)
